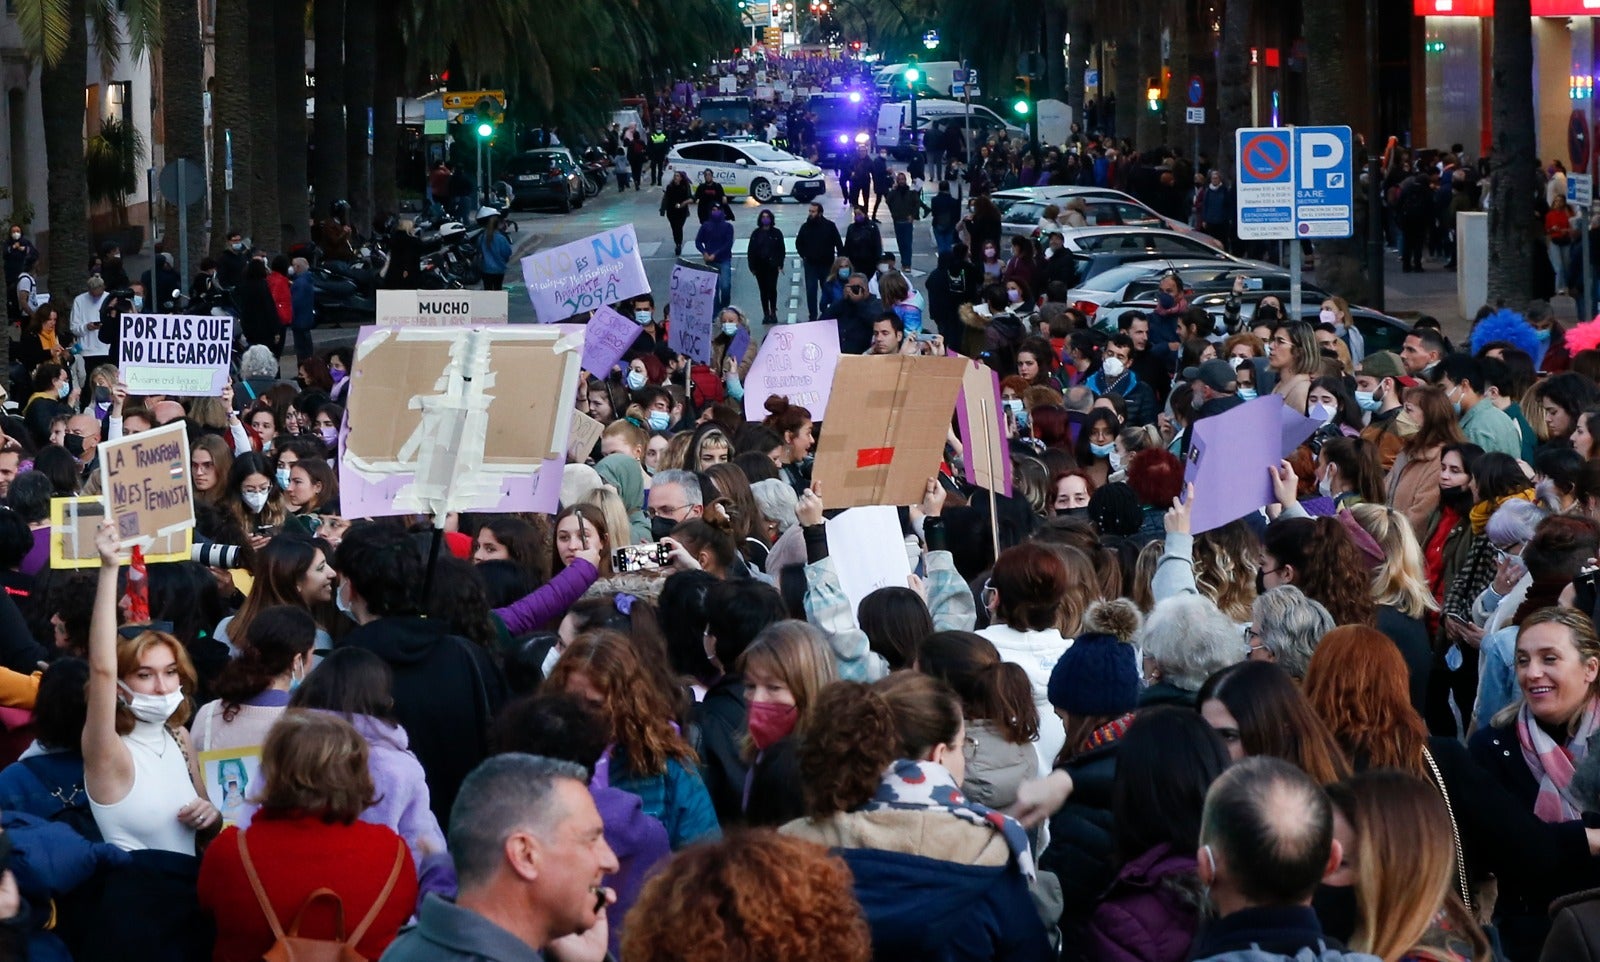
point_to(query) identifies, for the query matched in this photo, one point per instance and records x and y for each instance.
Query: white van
(938, 75)
(894, 121)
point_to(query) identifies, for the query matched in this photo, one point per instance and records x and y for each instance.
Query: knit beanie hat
(1098, 675)
(1115, 509)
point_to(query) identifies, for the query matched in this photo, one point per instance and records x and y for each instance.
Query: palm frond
(46, 27)
(144, 25)
(107, 34)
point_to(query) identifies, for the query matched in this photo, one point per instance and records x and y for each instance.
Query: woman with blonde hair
(1400, 591)
(612, 509)
(1400, 859)
(1220, 564)
(785, 669)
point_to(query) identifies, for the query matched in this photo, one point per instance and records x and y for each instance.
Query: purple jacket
(640, 843)
(1150, 912)
(550, 602)
(403, 803)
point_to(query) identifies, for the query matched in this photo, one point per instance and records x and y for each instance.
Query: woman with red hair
(1052, 427)
(1357, 684)
(1156, 476)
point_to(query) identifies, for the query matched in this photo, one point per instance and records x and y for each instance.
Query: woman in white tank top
(140, 775)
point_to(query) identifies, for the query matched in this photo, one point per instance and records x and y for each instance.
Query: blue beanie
(1099, 675)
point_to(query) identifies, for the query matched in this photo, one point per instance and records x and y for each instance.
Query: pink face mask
(771, 723)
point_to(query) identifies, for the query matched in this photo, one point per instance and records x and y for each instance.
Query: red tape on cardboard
(874, 457)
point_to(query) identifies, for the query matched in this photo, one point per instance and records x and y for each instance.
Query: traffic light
(1152, 94)
(913, 74)
(1023, 105)
(485, 130)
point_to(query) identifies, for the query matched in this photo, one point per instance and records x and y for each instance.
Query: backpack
(291, 946)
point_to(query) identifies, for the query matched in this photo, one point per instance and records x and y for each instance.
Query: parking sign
(1264, 175)
(1324, 189)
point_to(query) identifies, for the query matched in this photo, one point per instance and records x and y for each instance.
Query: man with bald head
(168, 411)
(1266, 841)
(82, 440)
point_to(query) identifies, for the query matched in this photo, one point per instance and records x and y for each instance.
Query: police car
(750, 168)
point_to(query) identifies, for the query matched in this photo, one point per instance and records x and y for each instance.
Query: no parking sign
(1294, 181)
(1264, 173)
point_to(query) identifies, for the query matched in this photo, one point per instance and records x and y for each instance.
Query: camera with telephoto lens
(215, 555)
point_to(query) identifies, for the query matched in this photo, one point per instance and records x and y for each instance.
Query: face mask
(550, 658)
(1367, 400)
(716, 215)
(1542, 335)
(1049, 252)
(1113, 367)
(661, 528)
(237, 246)
(634, 380)
(63, 389)
(1018, 413)
(844, 274)
(338, 374)
(283, 478)
(1320, 413)
(1337, 910)
(1114, 457)
(1455, 403)
(1166, 301)
(1407, 425)
(641, 318)
(291, 274)
(1013, 295)
(151, 709)
(771, 723)
(1074, 512)
(1325, 484)
(660, 420)
(1247, 394)
(1103, 450)
(330, 436)
(1327, 317)
(16, 235)
(343, 605)
(861, 218)
(74, 444)
(138, 302)
(730, 329)
(254, 500)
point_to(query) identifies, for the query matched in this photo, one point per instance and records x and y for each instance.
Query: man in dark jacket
(863, 243)
(905, 209)
(1216, 389)
(856, 312)
(861, 179)
(1217, 210)
(946, 213)
(445, 688)
(1116, 376)
(303, 298)
(881, 181)
(817, 244)
(715, 244)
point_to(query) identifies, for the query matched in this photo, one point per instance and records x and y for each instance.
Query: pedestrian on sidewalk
(496, 249)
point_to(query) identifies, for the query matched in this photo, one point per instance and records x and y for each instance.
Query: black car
(547, 178)
(1379, 331)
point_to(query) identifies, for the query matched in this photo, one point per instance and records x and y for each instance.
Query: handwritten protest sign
(796, 362)
(442, 308)
(694, 301)
(73, 523)
(1228, 460)
(893, 440)
(146, 484)
(985, 451)
(586, 432)
(607, 337)
(175, 354)
(584, 275)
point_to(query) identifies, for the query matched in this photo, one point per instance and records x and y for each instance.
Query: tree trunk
(1083, 35)
(1055, 74)
(1233, 80)
(67, 202)
(183, 116)
(360, 37)
(263, 120)
(1513, 232)
(330, 173)
(388, 85)
(1341, 266)
(1180, 136)
(1130, 99)
(289, 82)
(231, 116)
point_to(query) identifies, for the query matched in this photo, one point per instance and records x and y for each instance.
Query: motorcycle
(339, 298)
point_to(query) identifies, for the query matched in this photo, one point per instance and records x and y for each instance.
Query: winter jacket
(1274, 934)
(1150, 912)
(677, 797)
(278, 284)
(773, 789)
(818, 242)
(551, 600)
(720, 721)
(855, 322)
(49, 786)
(1216, 208)
(445, 691)
(51, 863)
(995, 767)
(863, 244)
(766, 251)
(1080, 851)
(905, 204)
(1037, 653)
(1413, 487)
(1142, 406)
(933, 887)
(716, 239)
(945, 210)
(303, 301)
(639, 843)
(1575, 934)
(403, 802)
(989, 334)
(496, 248)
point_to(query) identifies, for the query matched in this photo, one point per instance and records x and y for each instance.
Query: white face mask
(1327, 316)
(340, 602)
(151, 709)
(550, 658)
(1325, 483)
(1112, 366)
(254, 500)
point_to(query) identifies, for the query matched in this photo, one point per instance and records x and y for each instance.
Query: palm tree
(388, 85)
(263, 120)
(1233, 77)
(1511, 217)
(1340, 264)
(183, 111)
(360, 63)
(289, 82)
(330, 175)
(56, 36)
(231, 121)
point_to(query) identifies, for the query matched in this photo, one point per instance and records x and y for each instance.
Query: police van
(749, 168)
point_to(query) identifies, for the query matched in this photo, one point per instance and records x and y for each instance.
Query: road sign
(1194, 115)
(1197, 92)
(1264, 158)
(1580, 190)
(467, 99)
(1091, 79)
(958, 89)
(1324, 182)
(183, 178)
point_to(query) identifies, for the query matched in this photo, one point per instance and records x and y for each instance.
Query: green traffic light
(913, 75)
(486, 130)
(1020, 107)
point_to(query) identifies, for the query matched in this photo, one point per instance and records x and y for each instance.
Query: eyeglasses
(657, 511)
(856, 289)
(1250, 636)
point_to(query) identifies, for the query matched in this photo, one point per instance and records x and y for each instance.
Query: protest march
(955, 623)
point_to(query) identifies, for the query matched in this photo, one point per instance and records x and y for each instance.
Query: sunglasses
(131, 632)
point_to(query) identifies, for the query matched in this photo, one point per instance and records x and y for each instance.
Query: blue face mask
(1542, 335)
(730, 329)
(63, 389)
(1247, 394)
(660, 420)
(341, 604)
(1367, 400)
(641, 318)
(844, 274)
(1102, 450)
(282, 475)
(635, 380)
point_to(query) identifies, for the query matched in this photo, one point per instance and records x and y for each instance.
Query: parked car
(546, 177)
(1133, 287)
(1104, 207)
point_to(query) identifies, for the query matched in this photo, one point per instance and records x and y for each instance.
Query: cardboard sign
(585, 275)
(175, 354)
(73, 522)
(797, 362)
(442, 308)
(607, 337)
(146, 484)
(1228, 461)
(893, 440)
(694, 303)
(457, 419)
(586, 433)
(868, 551)
(231, 775)
(985, 449)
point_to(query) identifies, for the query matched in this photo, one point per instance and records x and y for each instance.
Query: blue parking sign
(1264, 175)
(1324, 182)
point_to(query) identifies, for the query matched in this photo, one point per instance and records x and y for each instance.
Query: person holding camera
(86, 323)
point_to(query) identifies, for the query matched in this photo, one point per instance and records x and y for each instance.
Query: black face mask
(74, 445)
(1261, 582)
(661, 528)
(1082, 512)
(1336, 909)
(1458, 499)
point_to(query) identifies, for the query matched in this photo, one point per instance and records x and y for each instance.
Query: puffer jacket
(1151, 911)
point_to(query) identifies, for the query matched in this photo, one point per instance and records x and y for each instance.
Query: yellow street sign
(467, 99)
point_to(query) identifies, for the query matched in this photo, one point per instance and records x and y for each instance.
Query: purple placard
(740, 344)
(585, 274)
(363, 497)
(1229, 458)
(997, 414)
(796, 361)
(1296, 428)
(606, 338)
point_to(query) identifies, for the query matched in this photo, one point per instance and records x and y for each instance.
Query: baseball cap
(1381, 364)
(1216, 374)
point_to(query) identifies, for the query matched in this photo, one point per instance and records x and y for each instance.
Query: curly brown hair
(1327, 566)
(637, 712)
(752, 895)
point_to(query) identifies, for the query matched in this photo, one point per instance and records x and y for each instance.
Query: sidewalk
(1433, 292)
